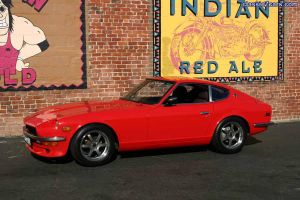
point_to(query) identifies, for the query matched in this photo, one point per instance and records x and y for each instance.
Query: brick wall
(120, 55)
(284, 96)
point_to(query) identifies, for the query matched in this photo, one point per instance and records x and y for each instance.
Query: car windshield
(149, 92)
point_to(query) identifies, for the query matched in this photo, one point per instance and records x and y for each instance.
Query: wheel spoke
(86, 146)
(230, 142)
(90, 137)
(232, 127)
(236, 136)
(90, 152)
(223, 136)
(98, 138)
(101, 145)
(234, 140)
(98, 152)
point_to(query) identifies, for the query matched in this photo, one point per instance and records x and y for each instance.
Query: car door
(185, 121)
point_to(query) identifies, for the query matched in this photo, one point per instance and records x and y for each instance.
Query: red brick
(120, 55)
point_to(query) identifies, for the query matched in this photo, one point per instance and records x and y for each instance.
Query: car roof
(190, 80)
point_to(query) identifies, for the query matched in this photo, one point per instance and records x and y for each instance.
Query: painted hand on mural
(198, 39)
(19, 40)
(21, 65)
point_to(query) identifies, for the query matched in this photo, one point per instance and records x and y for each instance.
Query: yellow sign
(222, 40)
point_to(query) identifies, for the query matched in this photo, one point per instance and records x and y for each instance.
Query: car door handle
(204, 113)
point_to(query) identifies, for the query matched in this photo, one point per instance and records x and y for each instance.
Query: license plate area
(28, 140)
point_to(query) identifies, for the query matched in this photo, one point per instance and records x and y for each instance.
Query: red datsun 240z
(158, 113)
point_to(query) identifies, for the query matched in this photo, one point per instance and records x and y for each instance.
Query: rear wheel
(93, 145)
(230, 136)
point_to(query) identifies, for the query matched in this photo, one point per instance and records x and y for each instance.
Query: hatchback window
(219, 93)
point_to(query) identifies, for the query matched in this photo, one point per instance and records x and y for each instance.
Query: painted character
(19, 40)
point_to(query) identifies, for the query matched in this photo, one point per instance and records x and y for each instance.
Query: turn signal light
(50, 143)
(268, 114)
(66, 128)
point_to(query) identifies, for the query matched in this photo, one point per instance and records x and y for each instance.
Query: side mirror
(171, 101)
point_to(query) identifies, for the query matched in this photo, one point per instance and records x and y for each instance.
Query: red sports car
(158, 113)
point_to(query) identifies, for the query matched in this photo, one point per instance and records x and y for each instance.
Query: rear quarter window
(219, 93)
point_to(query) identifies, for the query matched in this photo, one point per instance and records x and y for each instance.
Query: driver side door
(186, 121)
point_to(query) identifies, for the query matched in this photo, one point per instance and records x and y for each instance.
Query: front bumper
(38, 145)
(44, 139)
(264, 125)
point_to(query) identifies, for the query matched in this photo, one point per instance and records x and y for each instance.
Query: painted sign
(219, 40)
(42, 44)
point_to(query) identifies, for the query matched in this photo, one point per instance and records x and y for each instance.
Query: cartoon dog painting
(19, 40)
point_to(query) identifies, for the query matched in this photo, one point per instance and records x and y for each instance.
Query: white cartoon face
(4, 19)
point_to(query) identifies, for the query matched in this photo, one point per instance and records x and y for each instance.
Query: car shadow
(252, 140)
(166, 151)
(64, 160)
(143, 153)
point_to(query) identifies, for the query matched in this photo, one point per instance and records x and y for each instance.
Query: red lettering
(7, 79)
(28, 76)
(38, 4)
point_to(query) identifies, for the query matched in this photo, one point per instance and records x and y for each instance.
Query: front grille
(31, 130)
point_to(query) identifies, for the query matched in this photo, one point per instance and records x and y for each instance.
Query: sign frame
(157, 50)
(83, 49)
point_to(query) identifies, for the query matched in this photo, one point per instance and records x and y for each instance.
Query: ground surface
(267, 168)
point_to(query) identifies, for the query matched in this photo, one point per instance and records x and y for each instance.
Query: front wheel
(230, 136)
(93, 145)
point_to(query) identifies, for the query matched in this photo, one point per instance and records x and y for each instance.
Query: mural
(220, 40)
(42, 45)
(210, 39)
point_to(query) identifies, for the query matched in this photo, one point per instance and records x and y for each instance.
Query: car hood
(75, 109)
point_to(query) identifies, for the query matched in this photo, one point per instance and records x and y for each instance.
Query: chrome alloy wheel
(232, 135)
(94, 145)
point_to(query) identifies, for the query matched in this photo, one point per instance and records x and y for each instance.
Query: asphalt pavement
(267, 168)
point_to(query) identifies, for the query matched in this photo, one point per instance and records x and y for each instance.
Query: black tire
(219, 141)
(81, 139)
